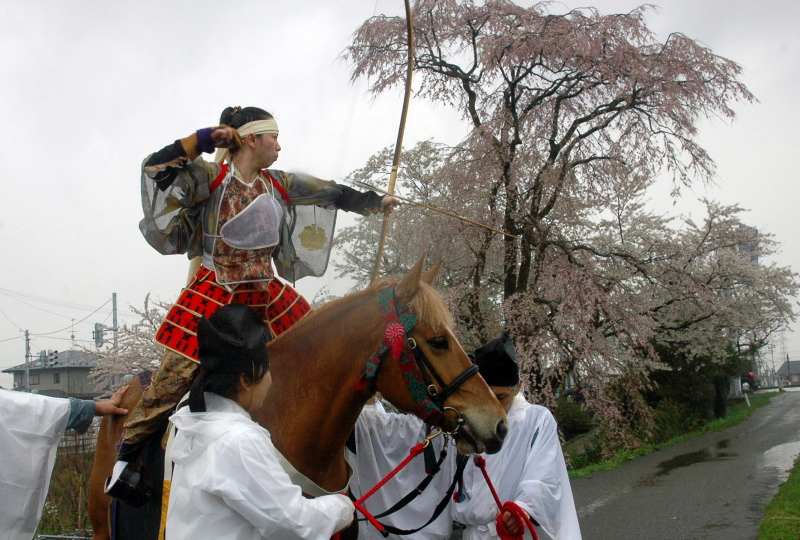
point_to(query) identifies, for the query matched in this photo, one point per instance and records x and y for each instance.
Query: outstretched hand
(389, 203)
(112, 405)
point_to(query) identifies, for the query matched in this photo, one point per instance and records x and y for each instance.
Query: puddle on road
(684, 460)
(782, 457)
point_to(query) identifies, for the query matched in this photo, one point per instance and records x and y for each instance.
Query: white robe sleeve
(544, 491)
(30, 428)
(265, 496)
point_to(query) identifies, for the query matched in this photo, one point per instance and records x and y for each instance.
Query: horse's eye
(439, 343)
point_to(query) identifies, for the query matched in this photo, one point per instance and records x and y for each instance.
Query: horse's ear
(409, 285)
(430, 275)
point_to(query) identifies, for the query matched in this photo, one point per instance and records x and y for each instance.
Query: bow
(399, 144)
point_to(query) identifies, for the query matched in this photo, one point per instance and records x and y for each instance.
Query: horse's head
(441, 384)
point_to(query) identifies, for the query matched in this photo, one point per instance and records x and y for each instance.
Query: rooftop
(57, 360)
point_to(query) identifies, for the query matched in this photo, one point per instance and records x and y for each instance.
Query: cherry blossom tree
(629, 287)
(570, 119)
(717, 306)
(136, 349)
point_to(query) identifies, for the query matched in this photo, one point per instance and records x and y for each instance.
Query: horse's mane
(427, 304)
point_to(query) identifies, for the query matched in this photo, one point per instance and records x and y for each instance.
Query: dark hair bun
(227, 115)
(236, 117)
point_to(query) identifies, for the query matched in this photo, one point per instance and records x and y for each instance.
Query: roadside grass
(66, 507)
(782, 514)
(736, 415)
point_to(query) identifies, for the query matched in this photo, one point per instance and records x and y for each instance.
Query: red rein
(523, 520)
(359, 504)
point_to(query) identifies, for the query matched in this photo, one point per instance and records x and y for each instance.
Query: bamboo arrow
(399, 144)
(434, 208)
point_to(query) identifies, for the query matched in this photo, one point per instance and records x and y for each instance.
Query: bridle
(419, 373)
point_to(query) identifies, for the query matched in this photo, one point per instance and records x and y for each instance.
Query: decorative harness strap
(432, 468)
(430, 402)
(399, 344)
(414, 365)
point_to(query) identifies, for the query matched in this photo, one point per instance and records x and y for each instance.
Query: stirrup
(132, 487)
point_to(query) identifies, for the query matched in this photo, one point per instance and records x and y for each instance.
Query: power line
(9, 320)
(15, 295)
(72, 324)
(42, 299)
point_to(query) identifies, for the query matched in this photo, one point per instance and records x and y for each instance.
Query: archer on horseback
(236, 217)
(228, 481)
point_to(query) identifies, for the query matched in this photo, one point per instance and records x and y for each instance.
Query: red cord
(523, 520)
(359, 504)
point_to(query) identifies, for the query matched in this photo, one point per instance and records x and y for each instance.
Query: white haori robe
(228, 483)
(31, 426)
(383, 440)
(530, 471)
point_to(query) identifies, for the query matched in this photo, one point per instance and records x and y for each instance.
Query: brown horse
(316, 395)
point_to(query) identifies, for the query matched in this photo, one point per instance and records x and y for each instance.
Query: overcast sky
(89, 88)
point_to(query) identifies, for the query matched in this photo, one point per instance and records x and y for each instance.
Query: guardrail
(78, 443)
(77, 535)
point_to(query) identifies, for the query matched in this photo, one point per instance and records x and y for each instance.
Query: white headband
(257, 127)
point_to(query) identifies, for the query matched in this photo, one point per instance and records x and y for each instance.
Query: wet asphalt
(712, 487)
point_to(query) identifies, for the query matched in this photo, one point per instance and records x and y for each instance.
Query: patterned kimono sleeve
(173, 189)
(304, 190)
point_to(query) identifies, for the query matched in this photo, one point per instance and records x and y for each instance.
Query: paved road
(708, 488)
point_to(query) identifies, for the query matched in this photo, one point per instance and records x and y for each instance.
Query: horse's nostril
(502, 430)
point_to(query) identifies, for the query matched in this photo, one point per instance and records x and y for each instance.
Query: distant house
(58, 374)
(790, 372)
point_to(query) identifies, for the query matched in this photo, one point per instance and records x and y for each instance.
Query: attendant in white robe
(529, 470)
(382, 441)
(31, 425)
(228, 482)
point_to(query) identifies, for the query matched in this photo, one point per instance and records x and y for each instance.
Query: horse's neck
(313, 404)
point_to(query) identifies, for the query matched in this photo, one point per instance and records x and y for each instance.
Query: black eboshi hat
(497, 362)
(234, 338)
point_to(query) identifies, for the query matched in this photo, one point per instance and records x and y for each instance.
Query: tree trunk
(721, 387)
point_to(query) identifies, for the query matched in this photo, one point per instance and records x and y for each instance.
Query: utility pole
(100, 329)
(27, 362)
(114, 316)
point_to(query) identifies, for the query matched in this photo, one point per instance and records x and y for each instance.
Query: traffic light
(98, 334)
(52, 358)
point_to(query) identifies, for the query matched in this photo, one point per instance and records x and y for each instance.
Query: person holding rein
(227, 481)
(529, 470)
(238, 218)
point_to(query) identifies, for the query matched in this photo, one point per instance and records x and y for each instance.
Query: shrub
(572, 418)
(672, 418)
